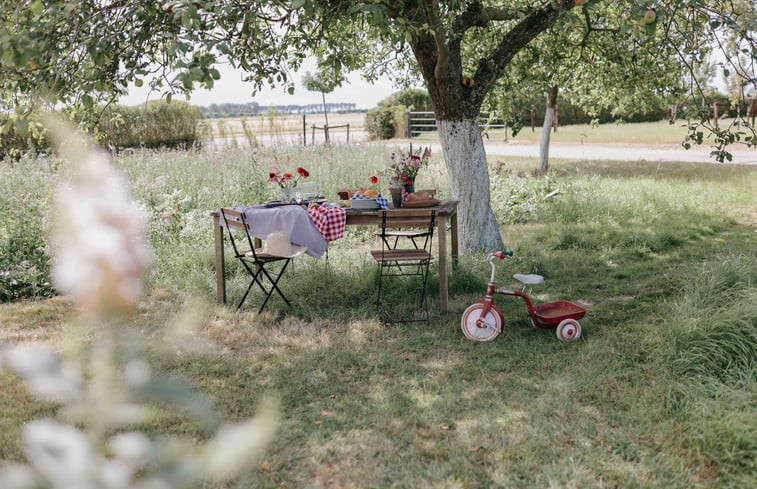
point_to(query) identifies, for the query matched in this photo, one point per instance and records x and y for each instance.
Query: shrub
(157, 124)
(413, 99)
(24, 261)
(19, 137)
(380, 122)
(389, 119)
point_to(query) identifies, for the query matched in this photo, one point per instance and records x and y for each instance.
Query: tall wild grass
(658, 393)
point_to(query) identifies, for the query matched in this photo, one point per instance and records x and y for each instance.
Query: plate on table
(364, 204)
(276, 203)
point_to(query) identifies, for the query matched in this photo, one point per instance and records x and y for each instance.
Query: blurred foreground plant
(101, 379)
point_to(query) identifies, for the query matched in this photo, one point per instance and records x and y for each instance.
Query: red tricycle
(483, 321)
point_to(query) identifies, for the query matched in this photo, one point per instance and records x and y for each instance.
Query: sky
(231, 89)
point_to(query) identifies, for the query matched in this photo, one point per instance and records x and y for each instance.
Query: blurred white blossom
(235, 446)
(44, 372)
(18, 476)
(103, 379)
(132, 447)
(60, 453)
(101, 252)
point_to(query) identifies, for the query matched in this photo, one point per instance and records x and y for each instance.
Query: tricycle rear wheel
(568, 330)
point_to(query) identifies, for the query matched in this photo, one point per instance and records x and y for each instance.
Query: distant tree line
(215, 111)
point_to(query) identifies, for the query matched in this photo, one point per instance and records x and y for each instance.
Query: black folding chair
(402, 262)
(254, 260)
(411, 234)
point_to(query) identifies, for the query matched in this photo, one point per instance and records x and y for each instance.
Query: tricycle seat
(530, 279)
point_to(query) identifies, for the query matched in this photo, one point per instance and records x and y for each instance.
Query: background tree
(75, 53)
(321, 82)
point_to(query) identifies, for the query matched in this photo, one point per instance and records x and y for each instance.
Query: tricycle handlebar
(501, 254)
(497, 254)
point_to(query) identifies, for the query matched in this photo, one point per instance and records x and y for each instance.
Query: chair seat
(261, 256)
(400, 255)
(406, 233)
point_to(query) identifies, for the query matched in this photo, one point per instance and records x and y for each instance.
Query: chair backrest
(235, 221)
(423, 219)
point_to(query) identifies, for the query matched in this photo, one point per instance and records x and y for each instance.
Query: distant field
(284, 125)
(659, 133)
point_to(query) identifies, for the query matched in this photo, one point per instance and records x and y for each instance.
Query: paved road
(577, 151)
(741, 156)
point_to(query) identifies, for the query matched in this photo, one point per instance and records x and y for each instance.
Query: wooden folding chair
(254, 260)
(396, 262)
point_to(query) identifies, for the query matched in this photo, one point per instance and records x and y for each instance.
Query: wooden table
(446, 214)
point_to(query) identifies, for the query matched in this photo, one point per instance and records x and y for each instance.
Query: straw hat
(277, 244)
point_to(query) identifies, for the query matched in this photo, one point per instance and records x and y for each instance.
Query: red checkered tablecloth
(329, 219)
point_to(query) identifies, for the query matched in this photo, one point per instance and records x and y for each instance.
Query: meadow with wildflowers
(659, 392)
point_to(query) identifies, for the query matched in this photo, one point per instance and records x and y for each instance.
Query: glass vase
(396, 197)
(287, 195)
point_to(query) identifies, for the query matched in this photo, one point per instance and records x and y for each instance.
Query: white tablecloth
(290, 219)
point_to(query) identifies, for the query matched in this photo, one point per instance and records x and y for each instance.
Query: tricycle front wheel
(568, 330)
(479, 328)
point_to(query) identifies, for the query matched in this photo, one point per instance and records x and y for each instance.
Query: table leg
(220, 275)
(443, 284)
(453, 238)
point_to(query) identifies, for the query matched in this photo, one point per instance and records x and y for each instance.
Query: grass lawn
(659, 391)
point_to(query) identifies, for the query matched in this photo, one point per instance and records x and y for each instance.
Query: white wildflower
(137, 372)
(235, 446)
(116, 475)
(133, 447)
(60, 453)
(101, 251)
(44, 373)
(17, 476)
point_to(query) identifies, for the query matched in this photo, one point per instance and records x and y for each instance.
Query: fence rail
(422, 125)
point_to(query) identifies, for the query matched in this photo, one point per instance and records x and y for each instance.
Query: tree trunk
(546, 131)
(326, 117)
(465, 158)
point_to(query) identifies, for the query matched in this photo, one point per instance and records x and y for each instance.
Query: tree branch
(534, 23)
(442, 49)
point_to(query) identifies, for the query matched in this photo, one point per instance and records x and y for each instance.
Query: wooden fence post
(752, 104)
(304, 131)
(348, 133)
(715, 114)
